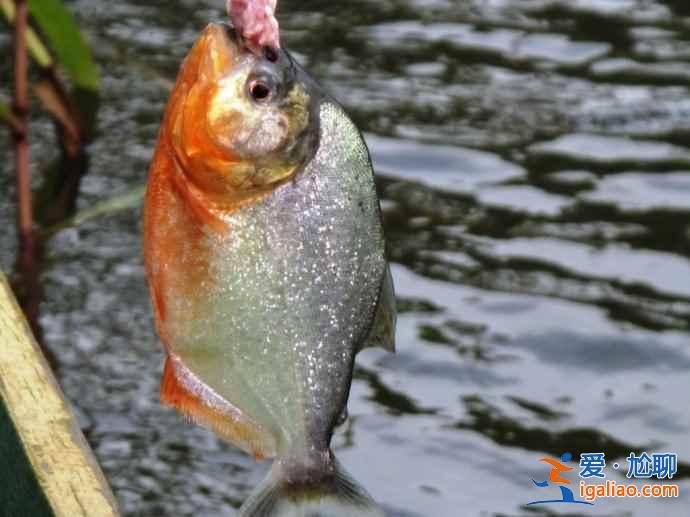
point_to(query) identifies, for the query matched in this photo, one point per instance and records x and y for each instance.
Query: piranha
(265, 258)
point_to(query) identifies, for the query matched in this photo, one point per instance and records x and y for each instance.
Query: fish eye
(260, 91)
(264, 83)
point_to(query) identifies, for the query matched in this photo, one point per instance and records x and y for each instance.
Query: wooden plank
(62, 462)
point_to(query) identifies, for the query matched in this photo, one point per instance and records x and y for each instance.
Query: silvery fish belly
(266, 263)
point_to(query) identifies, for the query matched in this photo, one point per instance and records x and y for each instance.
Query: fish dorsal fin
(183, 390)
(383, 329)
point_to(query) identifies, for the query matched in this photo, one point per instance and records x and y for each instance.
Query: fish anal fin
(198, 403)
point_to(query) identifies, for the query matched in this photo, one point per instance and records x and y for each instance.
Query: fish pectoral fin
(197, 402)
(383, 329)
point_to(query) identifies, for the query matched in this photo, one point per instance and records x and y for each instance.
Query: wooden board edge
(61, 458)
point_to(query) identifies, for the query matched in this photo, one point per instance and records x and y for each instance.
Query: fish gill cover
(256, 22)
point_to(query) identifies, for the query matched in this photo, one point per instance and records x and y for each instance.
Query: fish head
(241, 123)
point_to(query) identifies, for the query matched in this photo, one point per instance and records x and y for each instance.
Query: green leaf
(118, 203)
(6, 114)
(63, 36)
(38, 51)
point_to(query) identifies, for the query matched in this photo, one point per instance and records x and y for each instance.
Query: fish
(266, 264)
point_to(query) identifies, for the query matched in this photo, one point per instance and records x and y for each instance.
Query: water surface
(534, 162)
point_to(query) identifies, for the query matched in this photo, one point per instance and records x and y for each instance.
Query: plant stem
(20, 108)
(25, 221)
(36, 47)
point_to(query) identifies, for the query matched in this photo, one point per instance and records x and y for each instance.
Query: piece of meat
(256, 22)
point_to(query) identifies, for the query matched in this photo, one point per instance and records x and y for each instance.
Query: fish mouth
(219, 47)
(224, 36)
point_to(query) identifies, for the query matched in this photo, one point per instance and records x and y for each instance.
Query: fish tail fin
(334, 494)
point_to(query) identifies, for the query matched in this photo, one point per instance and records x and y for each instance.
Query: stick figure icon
(555, 478)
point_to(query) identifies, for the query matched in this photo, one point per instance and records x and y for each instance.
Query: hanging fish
(265, 261)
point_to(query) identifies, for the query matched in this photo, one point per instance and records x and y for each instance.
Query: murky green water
(534, 160)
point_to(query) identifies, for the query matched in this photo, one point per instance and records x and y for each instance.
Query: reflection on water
(534, 160)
